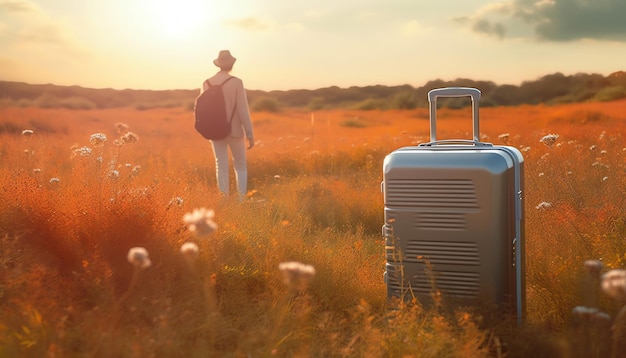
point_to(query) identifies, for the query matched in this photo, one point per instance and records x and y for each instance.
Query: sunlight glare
(180, 18)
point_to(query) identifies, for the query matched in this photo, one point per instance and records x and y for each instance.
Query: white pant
(238, 150)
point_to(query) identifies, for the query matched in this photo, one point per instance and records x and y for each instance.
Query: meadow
(73, 204)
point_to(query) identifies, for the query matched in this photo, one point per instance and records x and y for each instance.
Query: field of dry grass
(71, 208)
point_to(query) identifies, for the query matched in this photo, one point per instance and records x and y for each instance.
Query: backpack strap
(208, 83)
(232, 114)
(226, 80)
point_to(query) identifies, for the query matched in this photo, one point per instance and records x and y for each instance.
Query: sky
(297, 44)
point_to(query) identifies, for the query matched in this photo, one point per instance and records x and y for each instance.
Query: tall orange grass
(69, 215)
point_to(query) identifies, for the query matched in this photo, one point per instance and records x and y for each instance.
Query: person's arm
(244, 114)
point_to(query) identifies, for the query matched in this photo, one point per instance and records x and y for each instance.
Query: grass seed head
(549, 139)
(614, 284)
(138, 256)
(296, 274)
(200, 222)
(544, 205)
(189, 249)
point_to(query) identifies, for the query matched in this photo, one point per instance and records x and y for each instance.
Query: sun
(179, 18)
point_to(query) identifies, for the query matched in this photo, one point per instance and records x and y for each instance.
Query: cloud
(27, 25)
(566, 20)
(248, 23)
(551, 20)
(18, 6)
(490, 28)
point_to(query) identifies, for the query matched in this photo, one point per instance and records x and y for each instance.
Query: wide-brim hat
(224, 59)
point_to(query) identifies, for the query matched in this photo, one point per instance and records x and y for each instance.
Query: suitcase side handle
(474, 93)
(456, 141)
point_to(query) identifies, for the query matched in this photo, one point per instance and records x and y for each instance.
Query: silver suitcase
(454, 218)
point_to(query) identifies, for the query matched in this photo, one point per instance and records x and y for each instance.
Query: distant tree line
(550, 89)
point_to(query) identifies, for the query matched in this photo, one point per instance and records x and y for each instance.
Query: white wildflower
(113, 174)
(605, 178)
(526, 149)
(83, 151)
(200, 222)
(296, 274)
(549, 139)
(136, 169)
(189, 249)
(176, 201)
(54, 181)
(593, 147)
(121, 127)
(614, 284)
(277, 177)
(36, 170)
(504, 137)
(27, 132)
(129, 137)
(544, 205)
(138, 256)
(97, 139)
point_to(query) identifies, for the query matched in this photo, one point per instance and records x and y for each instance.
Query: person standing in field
(241, 127)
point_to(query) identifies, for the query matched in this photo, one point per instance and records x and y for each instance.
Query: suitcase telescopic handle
(474, 93)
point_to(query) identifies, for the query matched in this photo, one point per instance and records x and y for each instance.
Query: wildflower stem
(618, 333)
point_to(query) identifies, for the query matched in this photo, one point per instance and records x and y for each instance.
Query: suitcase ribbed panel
(459, 284)
(431, 193)
(441, 252)
(450, 283)
(441, 221)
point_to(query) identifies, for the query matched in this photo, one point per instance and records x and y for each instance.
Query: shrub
(47, 101)
(404, 100)
(370, 104)
(10, 128)
(76, 103)
(143, 106)
(353, 123)
(611, 94)
(265, 105)
(316, 103)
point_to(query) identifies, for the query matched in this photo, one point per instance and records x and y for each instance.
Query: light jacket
(235, 99)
